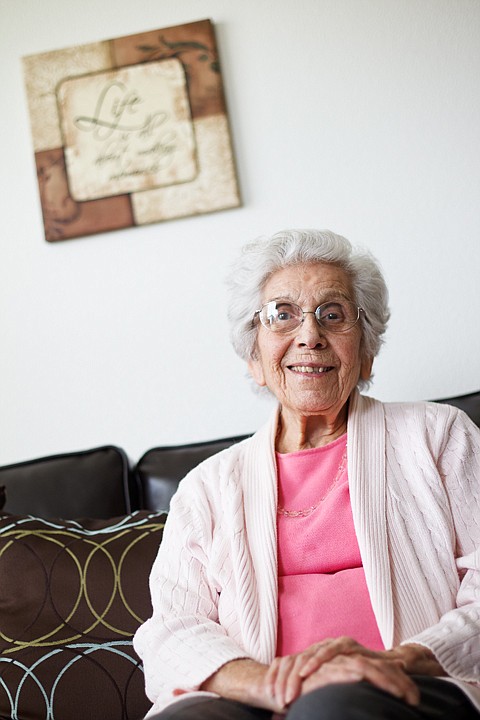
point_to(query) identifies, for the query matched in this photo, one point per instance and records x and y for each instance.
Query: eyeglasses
(282, 316)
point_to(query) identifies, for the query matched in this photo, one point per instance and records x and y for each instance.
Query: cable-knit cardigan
(414, 478)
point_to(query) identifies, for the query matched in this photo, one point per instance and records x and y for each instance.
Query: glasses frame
(360, 311)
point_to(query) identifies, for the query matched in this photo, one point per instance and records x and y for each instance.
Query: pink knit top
(322, 590)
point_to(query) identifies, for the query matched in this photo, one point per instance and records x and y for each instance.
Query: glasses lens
(337, 316)
(281, 316)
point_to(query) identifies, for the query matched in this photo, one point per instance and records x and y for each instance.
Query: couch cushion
(72, 594)
(89, 483)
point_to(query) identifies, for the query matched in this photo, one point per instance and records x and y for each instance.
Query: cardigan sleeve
(183, 643)
(455, 639)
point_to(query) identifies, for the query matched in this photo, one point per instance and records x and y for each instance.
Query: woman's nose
(310, 333)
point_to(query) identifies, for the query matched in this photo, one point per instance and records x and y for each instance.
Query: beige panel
(43, 72)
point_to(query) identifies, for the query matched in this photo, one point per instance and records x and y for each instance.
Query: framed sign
(130, 131)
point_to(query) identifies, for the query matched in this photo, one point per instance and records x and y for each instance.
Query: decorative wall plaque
(130, 131)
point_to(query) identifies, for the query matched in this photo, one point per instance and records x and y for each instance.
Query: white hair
(265, 255)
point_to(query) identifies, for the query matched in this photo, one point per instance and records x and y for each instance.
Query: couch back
(160, 469)
(468, 403)
(102, 483)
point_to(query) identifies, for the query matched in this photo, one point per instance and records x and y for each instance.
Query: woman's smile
(310, 370)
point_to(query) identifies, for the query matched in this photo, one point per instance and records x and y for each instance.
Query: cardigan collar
(367, 483)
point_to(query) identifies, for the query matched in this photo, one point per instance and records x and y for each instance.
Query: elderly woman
(328, 567)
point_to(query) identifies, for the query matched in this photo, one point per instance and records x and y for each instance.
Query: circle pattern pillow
(72, 594)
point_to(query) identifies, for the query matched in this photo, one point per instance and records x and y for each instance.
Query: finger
(276, 681)
(327, 650)
(329, 676)
(271, 677)
(288, 683)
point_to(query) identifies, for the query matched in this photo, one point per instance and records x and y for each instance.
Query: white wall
(362, 116)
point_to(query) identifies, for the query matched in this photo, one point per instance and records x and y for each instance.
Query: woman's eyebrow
(337, 296)
(324, 297)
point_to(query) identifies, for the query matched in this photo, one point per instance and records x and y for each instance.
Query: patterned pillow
(72, 594)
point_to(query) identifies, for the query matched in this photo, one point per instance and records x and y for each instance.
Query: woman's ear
(256, 371)
(366, 368)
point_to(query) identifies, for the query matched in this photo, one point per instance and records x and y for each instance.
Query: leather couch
(78, 535)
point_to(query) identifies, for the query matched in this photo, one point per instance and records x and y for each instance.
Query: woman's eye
(333, 314)
(285, 312)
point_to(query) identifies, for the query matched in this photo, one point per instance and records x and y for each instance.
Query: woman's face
(310, 371)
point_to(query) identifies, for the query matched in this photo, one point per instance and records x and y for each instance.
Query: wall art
(130, 131)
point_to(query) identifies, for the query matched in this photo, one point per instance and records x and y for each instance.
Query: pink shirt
(322, 590)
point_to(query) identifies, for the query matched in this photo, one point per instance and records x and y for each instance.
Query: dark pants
(440, 700)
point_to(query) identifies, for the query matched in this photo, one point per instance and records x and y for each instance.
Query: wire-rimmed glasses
(335, 316)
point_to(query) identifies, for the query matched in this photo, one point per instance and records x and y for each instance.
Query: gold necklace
(308, 511)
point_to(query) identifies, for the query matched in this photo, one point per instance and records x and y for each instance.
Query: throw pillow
(72, 594)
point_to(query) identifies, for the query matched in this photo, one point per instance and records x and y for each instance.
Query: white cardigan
(414, 477)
